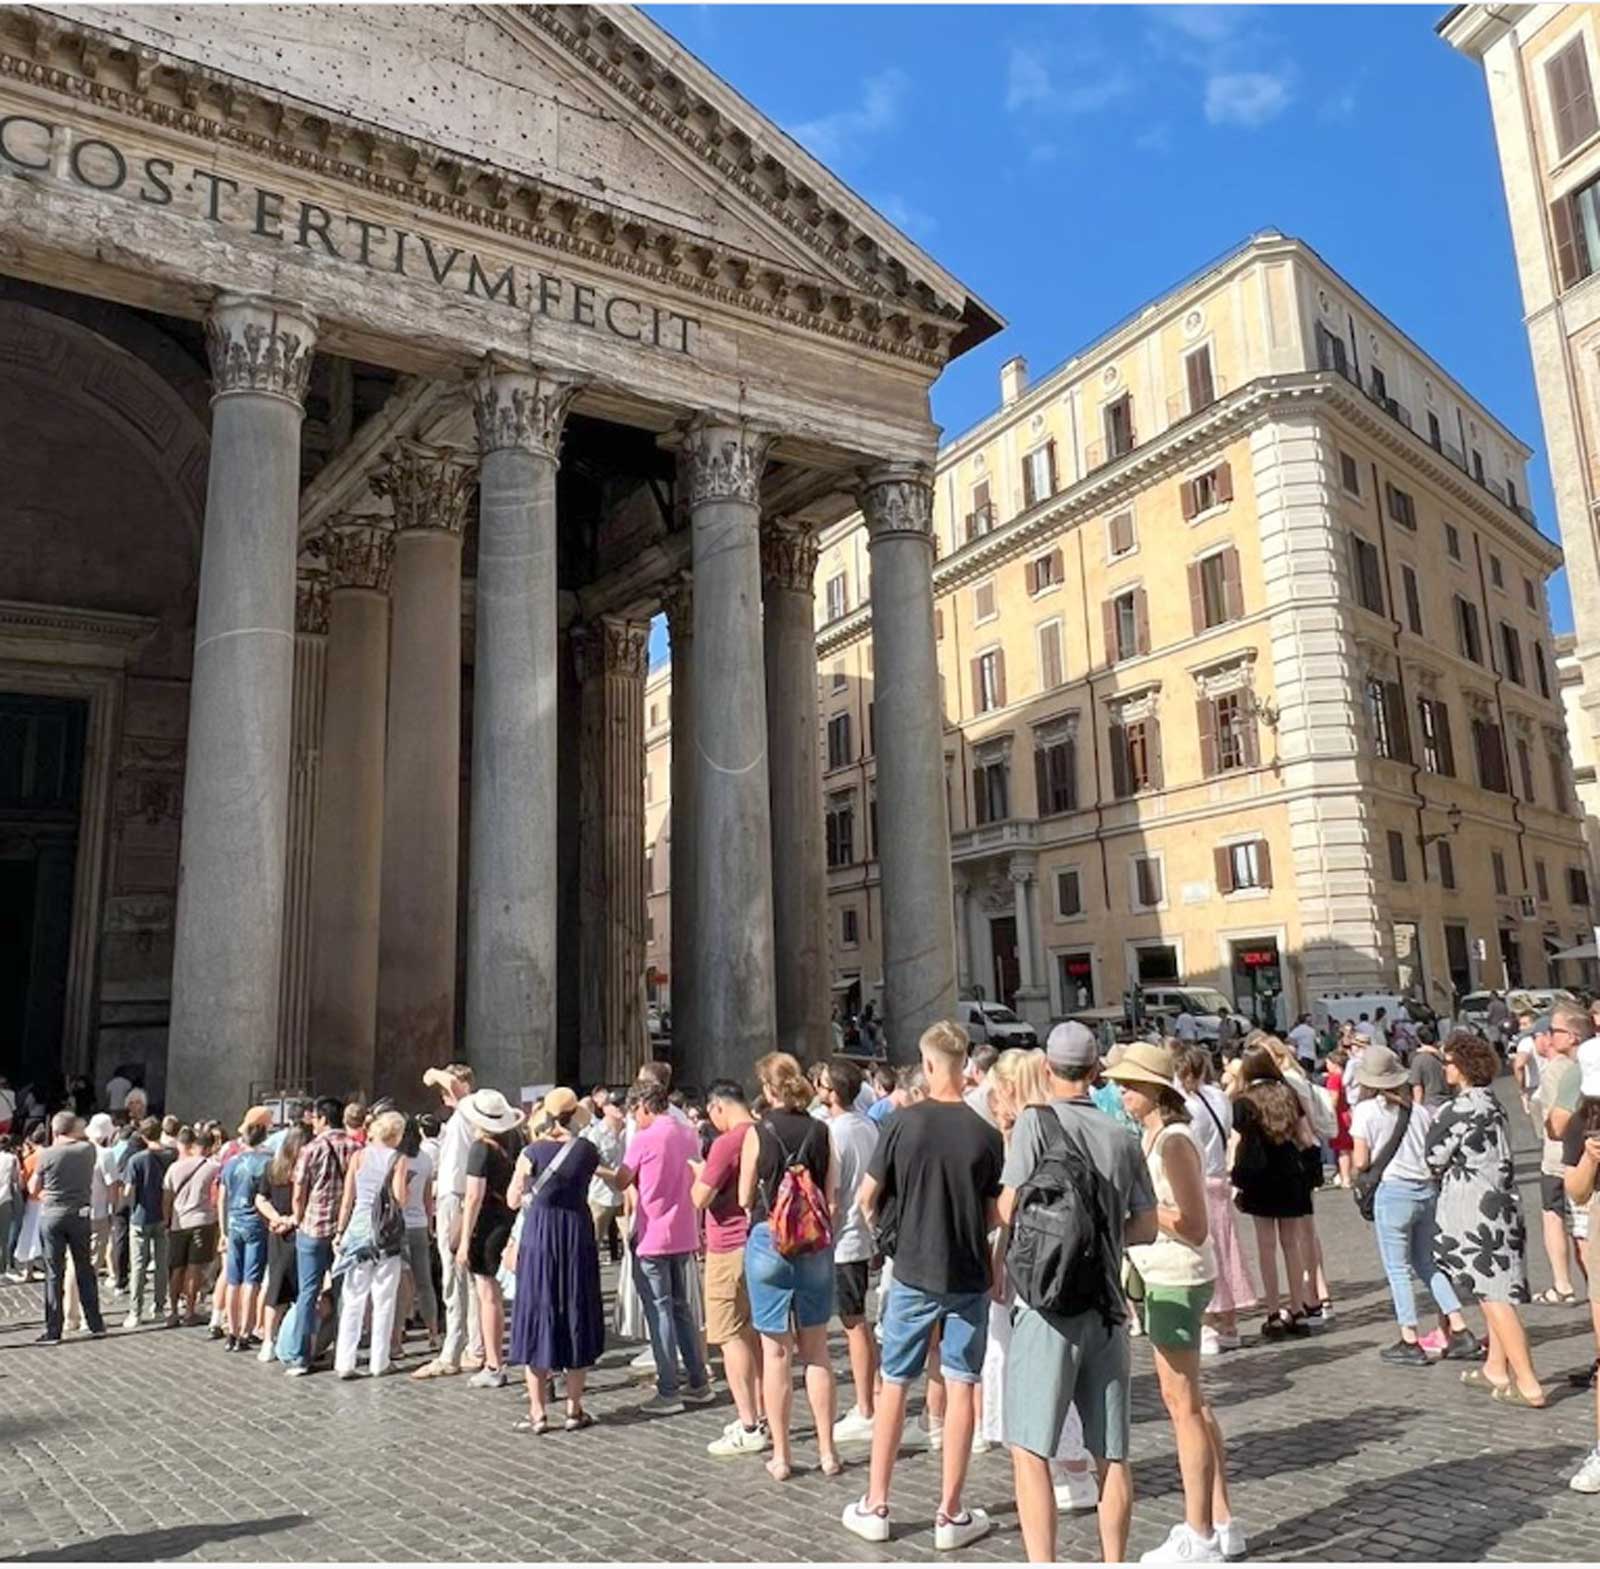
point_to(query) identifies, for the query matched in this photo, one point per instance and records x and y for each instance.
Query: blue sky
(1069, 163)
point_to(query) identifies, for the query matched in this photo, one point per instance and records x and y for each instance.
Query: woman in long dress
(1481, 1241)
(558, 1324)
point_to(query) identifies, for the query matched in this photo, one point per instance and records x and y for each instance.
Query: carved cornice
(723, 460)
(523, 410)
(260, 345)
(428, 487)
(789, 555)
(897, 501)
(311, 604)
(677, 603)
(889, 314)
(608, 647)
(359, 551)
(114, 637)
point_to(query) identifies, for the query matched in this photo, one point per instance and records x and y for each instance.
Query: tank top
(377, 1167)
(1169, 1261)
(800, 1136)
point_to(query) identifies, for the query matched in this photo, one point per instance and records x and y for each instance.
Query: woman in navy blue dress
(558, 1322)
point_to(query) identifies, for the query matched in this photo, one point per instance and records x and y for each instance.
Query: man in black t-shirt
(936, 1173)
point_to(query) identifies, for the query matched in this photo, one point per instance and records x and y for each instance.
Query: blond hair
(786, 1087)
(946, 1039)
(387, 1128)
(1020, 1071)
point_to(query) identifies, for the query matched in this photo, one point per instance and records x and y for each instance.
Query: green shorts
(1172, 1314)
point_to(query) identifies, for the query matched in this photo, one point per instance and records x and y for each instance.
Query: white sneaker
(1588, 1478)
(645, 1362)
(935, 1435)
(1135, 1324)
(980, 1444)
(741, 1441)
(1229, 1342)
(1210, 1342)
(1077, 1490)
(951, 1534)
(853, 1428)
(347, 1373)
(1230, 1538)
(488, 1378)
(1182, 1546)
(266, 1353)
(870, 1525)
(131, 1321)
(297, 1370)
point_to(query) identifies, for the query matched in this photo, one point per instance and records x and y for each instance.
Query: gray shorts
(1053, 1363)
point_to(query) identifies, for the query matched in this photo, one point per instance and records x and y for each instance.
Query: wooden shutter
(1050, 459)
(1121, 533)
(1058, 566)
(1190, 506)
(1232, 586)
(980, 808)
(1205, 718)
(977, 686)
(1028, 497)
(1033, 578)
(1569, 245)
(1223, 859)
(1197, 598)
(1264, 863)
(1571, 97)
(849, 750)
(1108, 610)
(1152, 742)
(1399, 721)
(999, 678)
(938, 624)
(1041, 783)
(1224, 475)
(1198, 367)
(1141, 621)
(1120, 786)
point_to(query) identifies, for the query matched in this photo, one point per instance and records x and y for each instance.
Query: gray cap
(1072, 1045)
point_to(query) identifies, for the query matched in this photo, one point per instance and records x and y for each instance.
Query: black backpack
(1061, 1253)
(388, 1218)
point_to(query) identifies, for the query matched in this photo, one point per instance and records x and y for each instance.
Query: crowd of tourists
(1025, 1213)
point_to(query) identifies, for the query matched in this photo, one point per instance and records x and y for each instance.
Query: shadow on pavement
(172, 1542)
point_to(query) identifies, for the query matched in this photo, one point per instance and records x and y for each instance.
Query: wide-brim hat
(101, 1127)
(489, 1110)
(1142, 1062)
(1381, 1070)
(560, 1102)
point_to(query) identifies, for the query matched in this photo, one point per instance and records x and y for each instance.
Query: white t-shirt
(105, 1173)
(117, 1092)
(10, 1177)
(1211, 1121)
(8, 1108)
(419, 1172)
(1304, 1039)
(1185, 1028)
(1528, 1055)
(1373, 1122)
(853, 1139)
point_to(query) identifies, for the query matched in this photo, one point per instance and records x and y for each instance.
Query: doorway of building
(1077, 980)
(41, 784)
(1003, 944)
(1258, 980)
(1511, 956)
(1458, 960)
(1157, 962)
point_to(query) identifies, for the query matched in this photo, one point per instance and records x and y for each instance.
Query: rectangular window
(981, 518)
(1056, 777)
(653, 720)
(1408, 581)
(1069, 893)
(1452, 541)
(1397, 856)
(872, 823)
(1366, 572)
(840, 679)
(1447, 865)
(1349, 473)
(983, 607)
(1127, 626)
(1202, 385)
(841, 830)
(1147, 882)
(1541, 670)
(1331, 352)
(1577, 887)
(1378, 383)
(1477, 470)
(1386, 714)
(1401, 506)
(838, 597)
(1039, 475)
(1575, 219)
(1246, 865)
(839, 750)
(1120, 529)
(1525, 770)
(1215, 593)
(1497, 571)
(1541, 881)
(1530, 595)
(1118, 418)
(1572, 107)
(649, 786)
(1227, 733)
(1497, 868)
(1051, 673)
(1511, 648)
(1469, 641)
(1214, 488)
(1046, 571)
(1438, 754)
(1558, 781)
(1489, 747)
(849, 928)
(1435, 434)
(989, 681)
(991, 792)
(1135, 757)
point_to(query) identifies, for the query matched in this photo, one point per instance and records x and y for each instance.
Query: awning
(1584, 950)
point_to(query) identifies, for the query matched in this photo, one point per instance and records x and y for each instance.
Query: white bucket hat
(489, 1110)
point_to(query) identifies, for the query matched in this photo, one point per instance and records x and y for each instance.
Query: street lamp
(1453, 818)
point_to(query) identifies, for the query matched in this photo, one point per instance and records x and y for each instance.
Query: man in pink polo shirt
(664, 1239)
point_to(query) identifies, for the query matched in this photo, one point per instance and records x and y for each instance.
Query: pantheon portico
(361, 432)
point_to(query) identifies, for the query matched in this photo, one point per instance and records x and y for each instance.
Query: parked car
(993, 1024)
(1202, 1003)
(1472, 1012)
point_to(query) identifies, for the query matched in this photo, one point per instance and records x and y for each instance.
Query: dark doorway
(1458, 960)
(1157, 962)
(1511, 956)
(41, 782)
(1007, 976)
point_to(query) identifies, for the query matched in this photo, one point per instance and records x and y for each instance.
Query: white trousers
(462, 1330)
(380, 1281)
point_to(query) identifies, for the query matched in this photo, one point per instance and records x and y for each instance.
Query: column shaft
(733, 821)
(223, 1036)
(1019, 899)
(799, 879)
(681, 825)
(919, 984)
(511, 911)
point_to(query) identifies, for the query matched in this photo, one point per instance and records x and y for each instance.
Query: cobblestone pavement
(154, 1444)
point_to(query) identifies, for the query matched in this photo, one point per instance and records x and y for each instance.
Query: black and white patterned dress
(1481, 1240)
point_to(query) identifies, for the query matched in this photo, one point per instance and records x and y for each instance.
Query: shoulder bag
(1365, 1187)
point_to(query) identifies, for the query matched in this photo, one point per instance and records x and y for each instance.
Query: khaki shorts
(727, 1298)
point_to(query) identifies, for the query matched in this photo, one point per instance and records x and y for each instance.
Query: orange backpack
(798, 1217)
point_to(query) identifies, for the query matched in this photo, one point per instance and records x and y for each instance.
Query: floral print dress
(1481, 1240)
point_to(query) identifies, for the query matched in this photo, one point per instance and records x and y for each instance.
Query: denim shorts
(909, 1320)
(247, 1255)
(786, 1293)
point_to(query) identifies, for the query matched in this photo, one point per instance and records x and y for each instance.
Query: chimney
(1013, 379)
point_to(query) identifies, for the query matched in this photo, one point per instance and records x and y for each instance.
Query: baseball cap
(1072, 1045)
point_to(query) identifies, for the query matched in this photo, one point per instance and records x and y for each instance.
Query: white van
(993, 1024)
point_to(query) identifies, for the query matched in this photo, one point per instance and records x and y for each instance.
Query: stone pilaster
(429, 489)
(722, 465)
(511, 908)
(678, 604)
(612, 660)
(348, 867)
(802, 997)
(223, 1036)
(919, 972)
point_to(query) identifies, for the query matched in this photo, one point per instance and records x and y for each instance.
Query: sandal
(538, 1426)
(836, 1469)
(779, 1472)
(1510, 1395)
(1550, 1297)
(1476, 1378)
(577, 1420)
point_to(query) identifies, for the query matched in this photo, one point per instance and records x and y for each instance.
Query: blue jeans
(910, 1317)
(1403, 1218)
(313, 1256)
(663, 1284)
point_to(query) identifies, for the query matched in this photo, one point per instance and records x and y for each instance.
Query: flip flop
(1476, 1378)
(577, 1420)
(836, 1469)
(1550, 1297)
(538, 1426)
(1510, 1395)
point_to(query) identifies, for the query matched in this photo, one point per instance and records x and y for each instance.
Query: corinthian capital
(260, 345)
(677, 601)
(359, 550)
(897, 499)
(311, 603)
(608, 646)
(723, 460)
(428, 487)
(521, 408)
(789, 555)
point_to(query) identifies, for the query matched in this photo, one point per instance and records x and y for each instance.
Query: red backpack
(797, 1217)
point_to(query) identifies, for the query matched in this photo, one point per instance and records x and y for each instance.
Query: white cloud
(1027, 79)
(908, 219)
(1246, 98)
(838, 136)
(1030, 84)
(1207, 24)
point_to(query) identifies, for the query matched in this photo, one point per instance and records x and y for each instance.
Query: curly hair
(1475, 1058)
